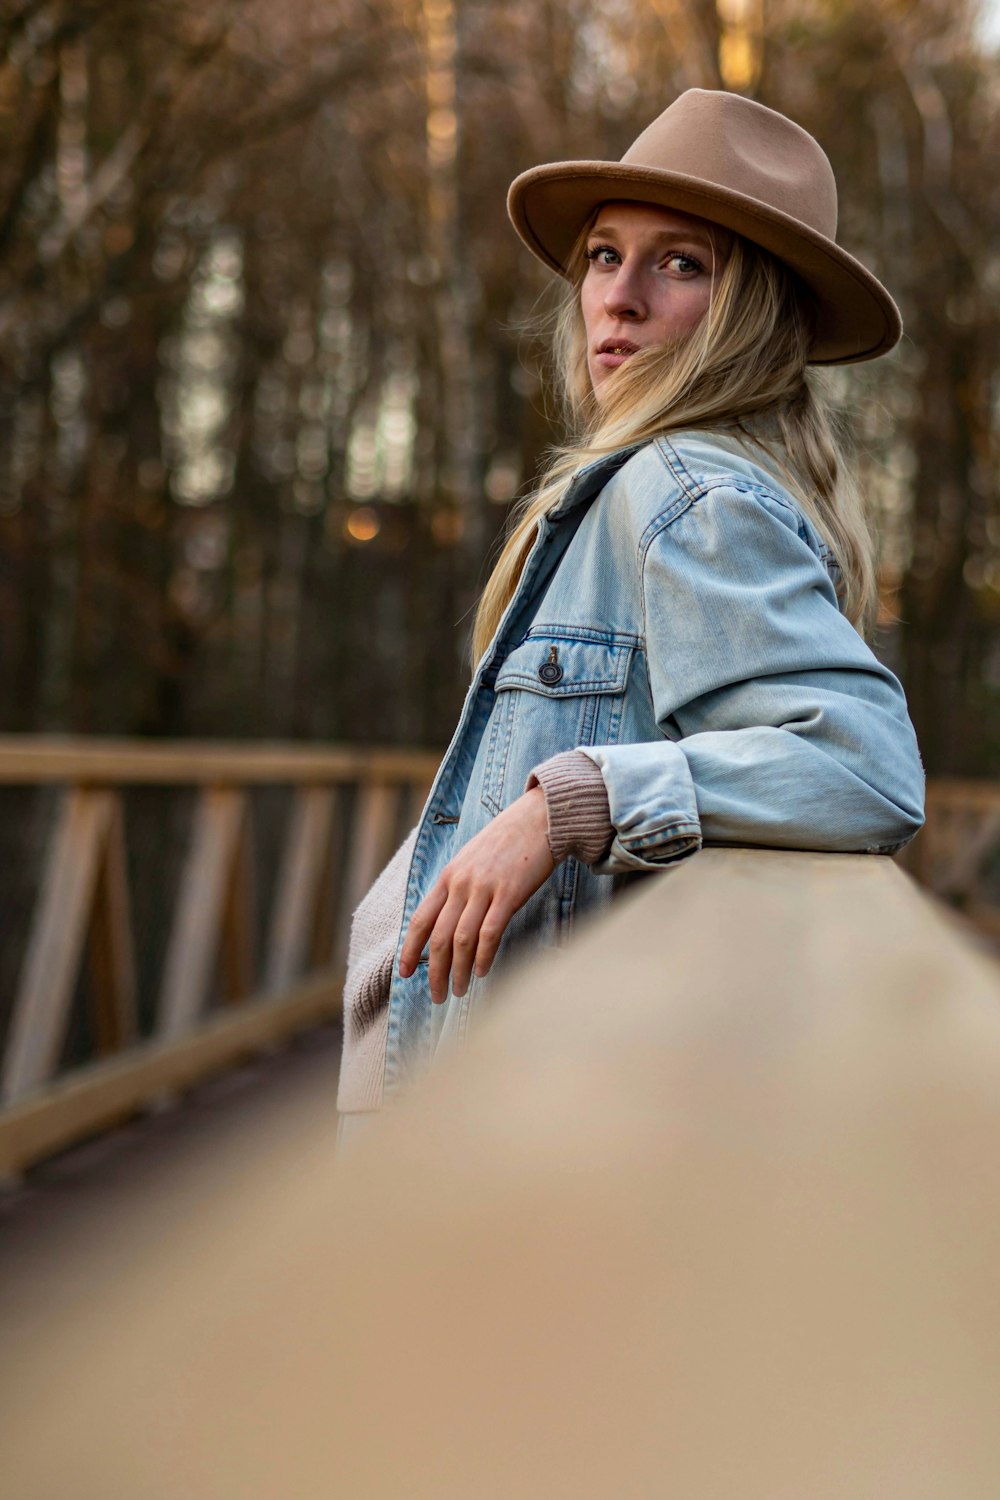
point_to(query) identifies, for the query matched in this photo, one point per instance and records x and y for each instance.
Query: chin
(601, 386)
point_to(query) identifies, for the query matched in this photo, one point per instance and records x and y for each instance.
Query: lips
(614, 352)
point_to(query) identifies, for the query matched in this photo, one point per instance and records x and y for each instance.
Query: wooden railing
(347, 810)
(957, 854)
(233, 977)
(708, 1206)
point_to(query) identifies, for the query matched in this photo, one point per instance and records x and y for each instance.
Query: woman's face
(648, 281)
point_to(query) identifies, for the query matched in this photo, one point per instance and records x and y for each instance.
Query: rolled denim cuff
(576, 804)
(652, 805)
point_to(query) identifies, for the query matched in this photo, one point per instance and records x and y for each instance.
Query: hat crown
(744, 147)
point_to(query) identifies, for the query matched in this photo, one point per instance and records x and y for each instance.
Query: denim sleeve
(780, 727)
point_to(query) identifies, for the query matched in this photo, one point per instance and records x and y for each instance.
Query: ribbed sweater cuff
(576, 803)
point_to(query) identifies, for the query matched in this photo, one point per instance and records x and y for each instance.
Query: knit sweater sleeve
(372, 948)
(576, 803)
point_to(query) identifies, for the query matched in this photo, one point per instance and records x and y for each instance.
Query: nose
(624, 298)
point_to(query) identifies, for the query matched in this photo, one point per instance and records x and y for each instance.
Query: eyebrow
(698, 236)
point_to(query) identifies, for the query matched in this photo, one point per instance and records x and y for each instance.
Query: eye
(598, 253)
(685, 265)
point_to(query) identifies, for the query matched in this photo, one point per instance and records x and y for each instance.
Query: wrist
(578, 816)
(537, 804)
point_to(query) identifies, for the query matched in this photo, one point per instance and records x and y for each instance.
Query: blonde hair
(743, 372)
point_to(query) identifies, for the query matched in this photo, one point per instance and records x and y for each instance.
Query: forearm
(762, 785)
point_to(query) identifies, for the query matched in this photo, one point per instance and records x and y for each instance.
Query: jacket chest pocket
(553, 693)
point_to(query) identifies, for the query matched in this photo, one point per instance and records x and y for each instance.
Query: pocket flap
(559, 668)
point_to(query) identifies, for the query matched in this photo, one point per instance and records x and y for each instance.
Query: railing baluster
(373, 831)
(52, 961)
(370, 848)
(237, 945)
(112, 957)
(194, 940)
(329, 892)
(413, 797)
(306, 859)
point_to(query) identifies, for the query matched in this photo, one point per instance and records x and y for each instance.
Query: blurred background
(264, 404)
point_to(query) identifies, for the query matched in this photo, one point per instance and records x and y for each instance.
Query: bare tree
(263, 401)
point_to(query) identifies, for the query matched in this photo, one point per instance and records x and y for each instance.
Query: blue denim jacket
(677, 619)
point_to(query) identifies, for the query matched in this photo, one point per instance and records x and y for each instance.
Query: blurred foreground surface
(710, 1209)
(87, 1217)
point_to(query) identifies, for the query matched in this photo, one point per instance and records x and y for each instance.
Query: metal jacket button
(550, 672)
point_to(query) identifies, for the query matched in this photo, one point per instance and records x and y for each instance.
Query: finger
(440, 947)
(491, 930)
(421, 925)
(466, 940)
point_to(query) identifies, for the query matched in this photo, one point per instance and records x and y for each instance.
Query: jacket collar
(591, 479)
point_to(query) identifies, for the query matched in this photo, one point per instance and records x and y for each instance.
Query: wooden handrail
(357, 798)
(707, 1207)
(37, 760)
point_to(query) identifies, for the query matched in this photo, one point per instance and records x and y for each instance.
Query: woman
(668, 651)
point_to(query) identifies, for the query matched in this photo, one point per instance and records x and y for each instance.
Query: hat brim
(856, 317)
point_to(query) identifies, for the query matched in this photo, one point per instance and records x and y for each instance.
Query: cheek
(680, 311)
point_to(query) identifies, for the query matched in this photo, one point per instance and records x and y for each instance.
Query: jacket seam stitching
(666, 518)
(586, 635)
(697, 490)
(578, 685)
(676, 467)
(743, 485)
(654, 835)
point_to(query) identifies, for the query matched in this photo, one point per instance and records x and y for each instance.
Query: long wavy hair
(741, 372)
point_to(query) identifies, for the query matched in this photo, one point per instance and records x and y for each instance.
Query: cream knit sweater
(579, 823)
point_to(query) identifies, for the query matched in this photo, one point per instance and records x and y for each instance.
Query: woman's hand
(466, 911)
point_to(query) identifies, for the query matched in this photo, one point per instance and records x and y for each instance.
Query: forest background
(264, 401)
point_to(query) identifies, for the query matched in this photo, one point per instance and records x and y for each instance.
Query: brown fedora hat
(735, 163)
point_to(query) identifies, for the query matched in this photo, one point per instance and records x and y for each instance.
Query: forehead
(626, 217)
